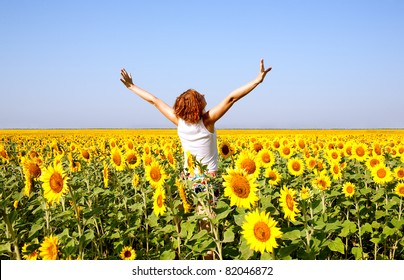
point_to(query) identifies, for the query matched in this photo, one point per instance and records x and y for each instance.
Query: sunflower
(273, 175)
(128, 253)
(85, 154)
(105, 174)
(49, 248)
(4, 155)
(226, 149)
(54, 183)
(147, 159)
(286, 151)
(399, 189)
(240, 187)
(311, 162)
(159, 197)
(132, 158)
(399, 173)
(359, 152)
(266, 158)
(374, 160)
(333, 156)
(260, 231)
(171, 158)
(135, 180)
(322, 181)
(155, 174)
(381, 174)
(348, 189)
(247, 161)
(305, 193)
(190, 163)
(256, 146)
(183, 196)
(336, 170)
(288, 203)
(117, 159)
(27, 255)
(295, 166)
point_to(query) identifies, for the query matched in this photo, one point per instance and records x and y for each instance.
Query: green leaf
(375, 240)
(239, 219)
(34, 229)
(337, 246)
(379, 194)
(366, 228)
(167, 255)
(388, 231)
(397, 223)
(379, 214)
(292, 235)
(348, 228)
(357, 252)
(245, 250)
(228, 235)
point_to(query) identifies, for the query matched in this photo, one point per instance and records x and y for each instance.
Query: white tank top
(200, 142)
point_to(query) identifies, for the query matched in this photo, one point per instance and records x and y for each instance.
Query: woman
(195, 126)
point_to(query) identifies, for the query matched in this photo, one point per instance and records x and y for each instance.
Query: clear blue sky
(336, 64)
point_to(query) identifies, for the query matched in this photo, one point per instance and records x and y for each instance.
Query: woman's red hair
(189, 106)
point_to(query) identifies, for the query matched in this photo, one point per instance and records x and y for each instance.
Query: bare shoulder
(208, 122)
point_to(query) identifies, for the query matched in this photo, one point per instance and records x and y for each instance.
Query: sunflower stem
(306, 229)
(76, 210)
(359, 225)
(399, 218)
(11, 232)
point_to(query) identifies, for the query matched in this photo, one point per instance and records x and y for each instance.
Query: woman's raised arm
(165, 109)
(219, 110)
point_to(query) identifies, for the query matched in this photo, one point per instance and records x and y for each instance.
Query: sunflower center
(127, 254)
(130, 145)
(257, 147)
(56, 182)
(117, 159)
(289, 202)
(277, 145)
(381, 173)
(286, 151)
(360, 151)
(249, 166)
(132, 159)
(266, 158)
(3, 153)
(85, 154)
(170, 158)
(349, 189)
(401, 190)
(322, 183)
(225, 149)
(155, 174)
(160, 201)
(240, 186)
(301, 144)
(272, 175)
(34, 170)
(400, 173)
(335, 169)
(262, 232)
(334, 155)
(296, 166)
(374, 162)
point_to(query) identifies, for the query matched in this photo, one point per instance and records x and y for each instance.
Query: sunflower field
(279, 194)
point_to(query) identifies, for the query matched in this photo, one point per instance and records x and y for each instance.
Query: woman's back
(200, 142)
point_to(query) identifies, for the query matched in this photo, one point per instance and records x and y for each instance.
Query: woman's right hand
(263, 72)
(126, 78)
